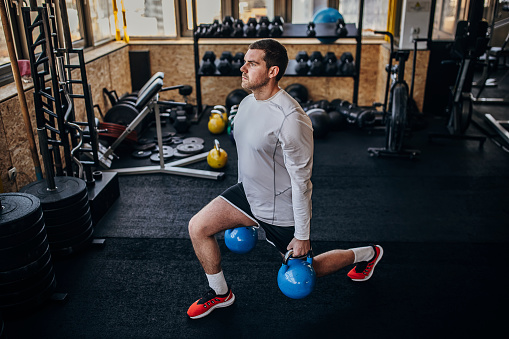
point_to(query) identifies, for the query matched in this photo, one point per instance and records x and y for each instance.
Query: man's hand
(299, 247)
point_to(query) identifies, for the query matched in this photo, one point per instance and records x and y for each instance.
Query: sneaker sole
(373, 269)
(225, 304)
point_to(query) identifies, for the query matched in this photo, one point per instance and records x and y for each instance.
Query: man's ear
(273, 71)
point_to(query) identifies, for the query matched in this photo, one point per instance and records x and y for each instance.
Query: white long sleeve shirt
(274, 139)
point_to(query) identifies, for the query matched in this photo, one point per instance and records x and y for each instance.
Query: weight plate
(177, 140)
(193, 140)
(144, 141)
(19, 211)
(144, 147)
(20, 249)
(190, 148)
(165, 135)
(177, 154)
(166, 149)
(24, 258)
(19, 272)
(28, 293)
(167, 153)
(66, 213)
(79, 243)
(20, 237)
(141, 154)
(45, 293)
(70, 232)
(29, 279)
(67, 191)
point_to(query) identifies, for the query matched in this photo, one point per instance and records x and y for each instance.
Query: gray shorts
(278, 236)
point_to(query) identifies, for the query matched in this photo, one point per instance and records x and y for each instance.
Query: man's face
(255, 74)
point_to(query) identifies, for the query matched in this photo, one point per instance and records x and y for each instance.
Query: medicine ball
(327, 15)
(235, 97)
(337, 120)
(320, 121)
(298, 92)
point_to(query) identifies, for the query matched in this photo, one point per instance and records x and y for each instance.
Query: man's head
(275, 54)
(264, 60)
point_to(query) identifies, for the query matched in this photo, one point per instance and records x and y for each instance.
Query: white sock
(218, 283)
(363, 253)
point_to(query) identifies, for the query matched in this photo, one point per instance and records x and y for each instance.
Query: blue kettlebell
(296, 277)
(241, 239)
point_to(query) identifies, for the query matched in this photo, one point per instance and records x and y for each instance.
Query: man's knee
(195, 227)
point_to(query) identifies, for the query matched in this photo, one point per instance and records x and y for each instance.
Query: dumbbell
(237, 62)
(212, 29)
(181, 122)
(341, 106)
(347, 65)
(276, 27)
(341, 30)
(250, 28)
(317, 65)
(208, 66)
(225, 63)
(302, 67)
(238, 29)
(227, 26)
(263, 27)
(331, 63)
(310, 32)
(321, 104)
(201, 30)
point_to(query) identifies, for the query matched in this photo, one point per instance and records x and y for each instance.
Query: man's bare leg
(217, 216)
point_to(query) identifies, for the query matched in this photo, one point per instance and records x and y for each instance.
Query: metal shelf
(298, 31)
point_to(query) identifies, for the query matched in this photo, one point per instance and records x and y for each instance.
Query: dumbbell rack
(323, 30)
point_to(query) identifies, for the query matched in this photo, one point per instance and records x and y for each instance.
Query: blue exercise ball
(327, 15)
(241, 239)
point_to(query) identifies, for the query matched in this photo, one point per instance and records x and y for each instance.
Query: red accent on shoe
(364, 270)
(209, 302)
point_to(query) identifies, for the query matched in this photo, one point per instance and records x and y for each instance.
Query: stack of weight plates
(26, 270)
(66, 213)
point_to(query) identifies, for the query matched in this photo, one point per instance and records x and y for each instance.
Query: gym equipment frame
(396, 117)
(153, 105)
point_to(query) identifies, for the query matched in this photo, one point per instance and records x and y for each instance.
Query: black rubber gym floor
(443, 221)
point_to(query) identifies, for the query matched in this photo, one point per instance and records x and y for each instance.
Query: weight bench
(131, 97)
(149, 100)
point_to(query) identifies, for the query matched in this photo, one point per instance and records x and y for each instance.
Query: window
(148, 18)
(207, 11)
(256, 9)
(4, 55)
(304, 10)
(447, 15)
(375, 13)
(75, 24)
(101, 15)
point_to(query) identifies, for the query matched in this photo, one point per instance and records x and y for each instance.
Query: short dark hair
(275, 54)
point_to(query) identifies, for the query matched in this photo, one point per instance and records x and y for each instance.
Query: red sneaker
(364, 270)
(209, 302)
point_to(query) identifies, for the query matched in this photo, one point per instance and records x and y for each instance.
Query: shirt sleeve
(297, 144)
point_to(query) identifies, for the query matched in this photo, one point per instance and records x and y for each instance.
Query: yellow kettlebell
(217, 157)
(221, 109)
(216, 123)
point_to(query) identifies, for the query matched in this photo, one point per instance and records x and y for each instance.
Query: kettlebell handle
(217, 146)
(215, 112)
(289, 254)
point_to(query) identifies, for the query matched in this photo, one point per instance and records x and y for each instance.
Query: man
(274, 139)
